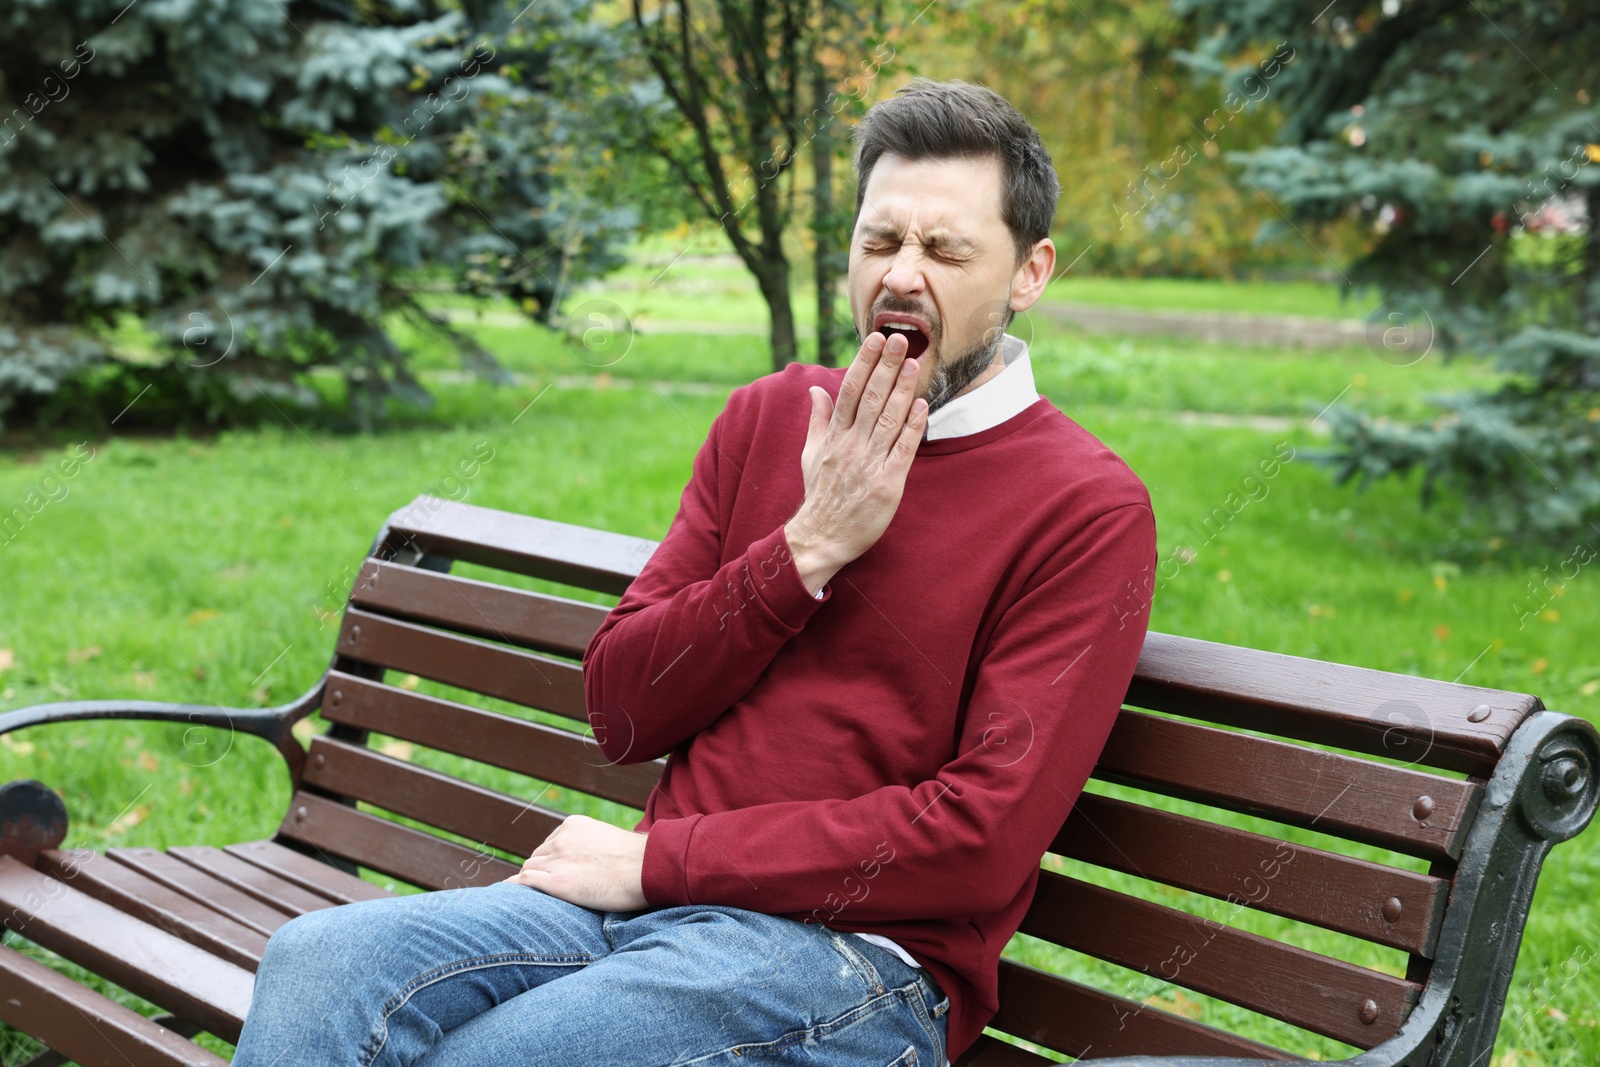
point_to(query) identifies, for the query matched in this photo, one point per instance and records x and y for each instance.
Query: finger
(905, 446)
(855, 379)
(886, 432)
(880, 387)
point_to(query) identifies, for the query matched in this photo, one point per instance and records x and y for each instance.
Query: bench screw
(1391, 908)
(355, 633)
(1479, 713)
(1369, 1012)
(300, 814)
(338, 697)
(319, 761)
(1422, 808)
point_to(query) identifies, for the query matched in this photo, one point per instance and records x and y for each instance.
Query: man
(883, 640)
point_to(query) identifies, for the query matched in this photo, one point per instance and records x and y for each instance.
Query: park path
(1214, 327)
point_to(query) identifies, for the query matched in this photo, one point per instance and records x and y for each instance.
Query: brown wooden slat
(495, 819)
(556, 551)
(1316, 993)
(165, 970)
(483, 609)
(539, 751)
(321, 878)
(1337, 794)
(989, 1051)
(1421, 720)
(1400, 909)
(201, 888)
(1082, 1021)
(162, 907)
(399, 851)
(249, 879)
(525, 678)
(83, 1025)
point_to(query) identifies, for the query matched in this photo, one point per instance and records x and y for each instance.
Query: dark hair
(928, 119)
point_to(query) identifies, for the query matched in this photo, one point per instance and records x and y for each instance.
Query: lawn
(211, 570)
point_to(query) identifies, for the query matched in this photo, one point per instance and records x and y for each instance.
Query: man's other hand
(589, 863)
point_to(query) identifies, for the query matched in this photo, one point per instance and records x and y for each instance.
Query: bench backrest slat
(1313, 992)
(521, 544)
(1080, 1021)
(538, 751)
(1409, 811)
(415, 856)
(463, 808)
(521, 677)
(1385, 905)
(1460, 727)
(481, 609)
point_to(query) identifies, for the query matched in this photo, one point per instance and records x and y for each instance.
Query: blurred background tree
(207, 202)
(1462, 135)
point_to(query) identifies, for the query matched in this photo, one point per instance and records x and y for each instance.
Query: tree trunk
(774, 282)
(823, 224)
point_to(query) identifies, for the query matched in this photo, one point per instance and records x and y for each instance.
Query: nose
(904, 276)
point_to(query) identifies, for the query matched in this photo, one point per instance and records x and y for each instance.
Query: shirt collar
(1006, 394)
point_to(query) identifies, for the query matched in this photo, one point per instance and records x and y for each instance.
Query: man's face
(931, 250)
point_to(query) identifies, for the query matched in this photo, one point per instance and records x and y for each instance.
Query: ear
(1029, 280)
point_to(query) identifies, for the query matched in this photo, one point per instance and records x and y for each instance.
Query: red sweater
(896, 757)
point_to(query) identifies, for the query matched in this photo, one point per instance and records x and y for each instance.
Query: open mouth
(916, 340)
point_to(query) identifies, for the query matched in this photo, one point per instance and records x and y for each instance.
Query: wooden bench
(1408, 816)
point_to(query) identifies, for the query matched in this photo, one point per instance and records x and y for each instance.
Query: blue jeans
(506, 975)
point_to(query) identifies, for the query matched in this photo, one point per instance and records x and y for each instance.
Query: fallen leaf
(128, 820)
(1589, 689)
(304, 731)
(410, 681)
(148, 762)
(1539, 665)
(21, 748)
(203, 615)
(83, 655)
(8, 659)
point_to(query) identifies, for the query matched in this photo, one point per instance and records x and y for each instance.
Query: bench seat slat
(201, 888)
(268, 888)
(1414, 719)
(1337, 794)
(1316, 993)
(1311, 885)
(502, 821)
(163, 969)
(47, 1005)
(321, 878)
(547, 753)
(522, 544)
(482, 609)
(161, 906)
(525, 678)
(1081, 1021)
(399, 851)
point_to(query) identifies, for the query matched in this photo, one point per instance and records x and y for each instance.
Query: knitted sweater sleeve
(1048, 689)
(691, 635)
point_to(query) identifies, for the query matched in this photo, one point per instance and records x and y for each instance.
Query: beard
(952, 375)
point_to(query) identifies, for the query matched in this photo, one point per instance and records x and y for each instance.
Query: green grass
(212, 570)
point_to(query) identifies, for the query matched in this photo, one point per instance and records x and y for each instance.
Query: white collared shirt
(1006, 394)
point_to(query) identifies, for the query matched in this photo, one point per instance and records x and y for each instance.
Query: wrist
(810, 559)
